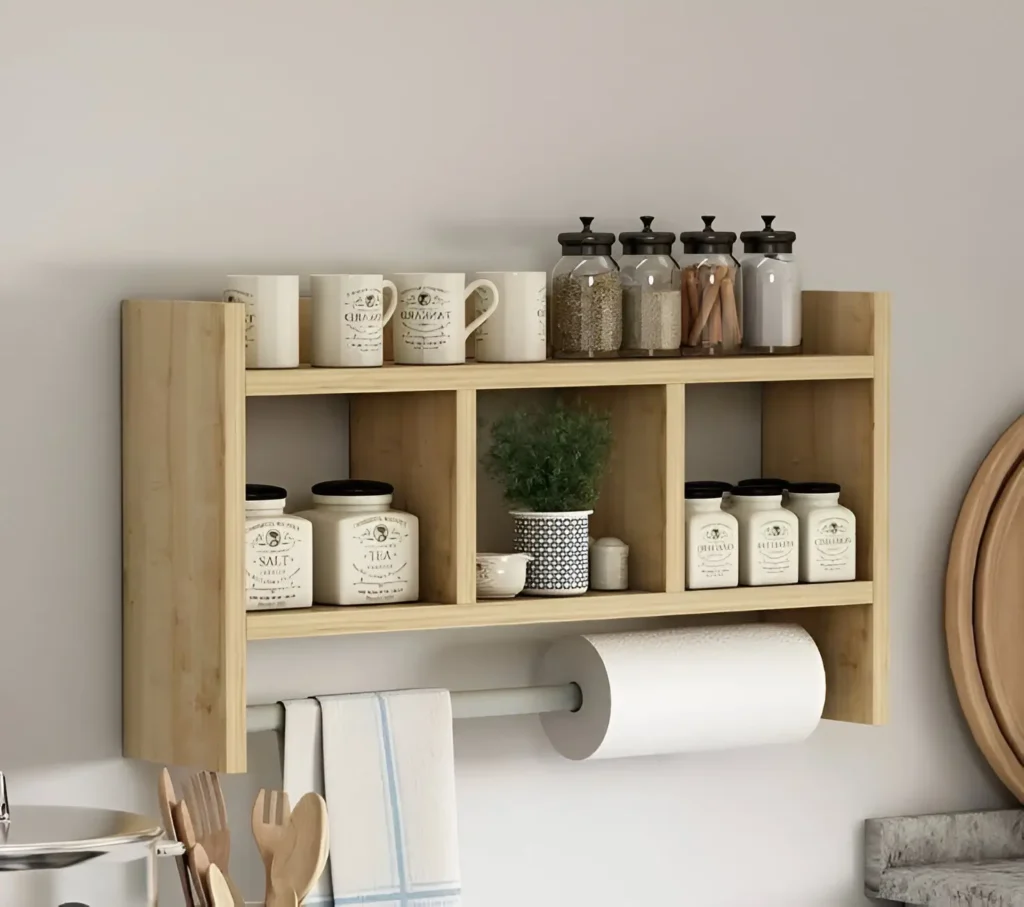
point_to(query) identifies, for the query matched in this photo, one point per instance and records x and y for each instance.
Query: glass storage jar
(771, 290)
(586, 296)
(712, 312)
(651, 293)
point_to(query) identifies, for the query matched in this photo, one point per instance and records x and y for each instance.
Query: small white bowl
(501, 575)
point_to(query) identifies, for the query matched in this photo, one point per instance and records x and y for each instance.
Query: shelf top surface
(339, 621)
(393, 378)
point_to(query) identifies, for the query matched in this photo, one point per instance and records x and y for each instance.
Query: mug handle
(388, 285)
(487, 313)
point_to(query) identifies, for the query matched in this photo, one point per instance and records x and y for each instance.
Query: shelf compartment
(393, 378)
(425, 445)
(594, 606)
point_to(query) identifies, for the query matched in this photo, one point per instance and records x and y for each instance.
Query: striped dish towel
(304, 771)
(389, 774)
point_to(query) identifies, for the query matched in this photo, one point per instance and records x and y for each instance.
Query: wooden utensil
(270, 815)
(205, 800)
(300, 857)
(217, 888)
(167, 800)
(183, 820)
(200, 863)
(1001, 461)
(998, 615)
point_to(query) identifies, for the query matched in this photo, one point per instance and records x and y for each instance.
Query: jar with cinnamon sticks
(712, 311)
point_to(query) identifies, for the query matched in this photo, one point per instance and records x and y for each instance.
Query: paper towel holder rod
(465, 704)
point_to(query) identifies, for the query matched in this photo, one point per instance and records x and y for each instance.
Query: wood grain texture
(998, 611)
(413, 442)
(675, 494)
(465, 495)
(838, 431)
(561, 373)
(1002, 461)
(326, 621)
(183, 437)
(632, 502)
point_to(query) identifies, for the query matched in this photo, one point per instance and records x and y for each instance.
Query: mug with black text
(430, 324)
(518, 330)
(348, 318)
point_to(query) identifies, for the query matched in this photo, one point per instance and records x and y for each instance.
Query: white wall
(151, 148)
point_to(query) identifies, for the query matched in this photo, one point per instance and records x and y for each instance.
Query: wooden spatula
(167, 799)
(301, 855)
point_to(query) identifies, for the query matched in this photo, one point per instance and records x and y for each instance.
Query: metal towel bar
(467, 704)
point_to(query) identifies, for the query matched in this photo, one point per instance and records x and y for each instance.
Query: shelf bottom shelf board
(339, 621)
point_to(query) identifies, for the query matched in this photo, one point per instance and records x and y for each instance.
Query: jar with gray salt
(652, 297)
(772, 300)
(586, 296)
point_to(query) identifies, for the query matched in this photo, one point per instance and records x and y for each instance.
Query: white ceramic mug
(430, 325)
(518, 330)
(348, 319)
(271, 318)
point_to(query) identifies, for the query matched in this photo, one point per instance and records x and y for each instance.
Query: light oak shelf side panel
(594, 606)
(183, 437)
(839, 431)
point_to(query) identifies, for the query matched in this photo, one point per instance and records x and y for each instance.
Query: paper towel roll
(676, 691)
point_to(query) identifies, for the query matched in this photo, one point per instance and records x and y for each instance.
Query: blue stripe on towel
(403, 895)
(396, 809)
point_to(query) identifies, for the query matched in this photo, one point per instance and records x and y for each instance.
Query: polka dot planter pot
(558, 543)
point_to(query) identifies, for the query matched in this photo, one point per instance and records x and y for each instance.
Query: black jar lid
(768, 240)
(708, 241)
(586, 241)
(647, 241)
(706, 490)
(815, 488)
(352, 488)
(782, 484)
(264, 492)
(757, 491)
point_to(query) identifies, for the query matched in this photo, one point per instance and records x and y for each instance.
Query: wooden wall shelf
(824, 416)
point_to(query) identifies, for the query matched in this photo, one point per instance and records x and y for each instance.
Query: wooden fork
(270, 815)
(205, 799)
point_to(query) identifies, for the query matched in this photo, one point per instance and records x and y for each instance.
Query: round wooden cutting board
(1000, 464)
(999, 610)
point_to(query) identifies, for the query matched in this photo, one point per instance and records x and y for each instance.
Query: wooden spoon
(217, 888)
(167, 800)
(302, 854)
(200, 862)
(188, 837)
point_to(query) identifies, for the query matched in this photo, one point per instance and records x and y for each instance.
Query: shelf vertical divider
(838, 431)
(412, 440)
(183, 493)
(675, 496)
(465, 495)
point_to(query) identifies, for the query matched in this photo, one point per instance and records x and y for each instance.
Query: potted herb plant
(551, 462)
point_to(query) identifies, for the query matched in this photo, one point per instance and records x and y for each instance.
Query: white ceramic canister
(348, 318)
(769, 536)
(828, 533)
(278, 552)
(712, 538)
(364, 553)
(271, 318)
(517, 331)
(609, 565)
